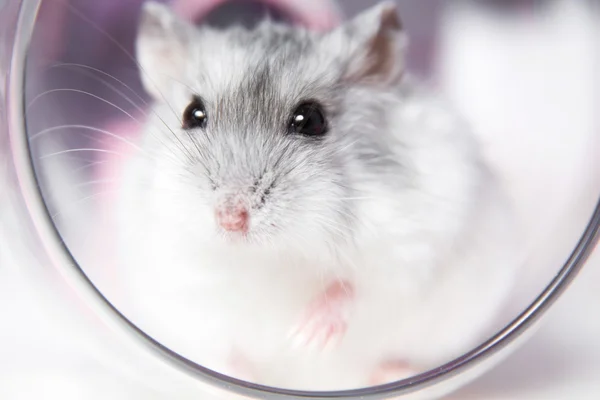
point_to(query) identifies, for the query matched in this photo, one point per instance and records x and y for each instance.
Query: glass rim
(67, 266)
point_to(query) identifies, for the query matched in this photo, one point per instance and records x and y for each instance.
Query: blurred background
(524, 72)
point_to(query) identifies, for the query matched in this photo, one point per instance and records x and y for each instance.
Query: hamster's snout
(239, 204)
(233, 217)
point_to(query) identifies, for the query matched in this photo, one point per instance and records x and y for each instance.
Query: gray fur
(274, 68)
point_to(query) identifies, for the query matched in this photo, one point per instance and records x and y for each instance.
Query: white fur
(413, 255)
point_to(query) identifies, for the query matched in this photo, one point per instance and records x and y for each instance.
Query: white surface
(534, 82)
(562, 360)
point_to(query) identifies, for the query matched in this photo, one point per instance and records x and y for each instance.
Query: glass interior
(521, 73)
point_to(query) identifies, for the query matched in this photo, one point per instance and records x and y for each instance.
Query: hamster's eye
(308, 120)
(194, 115)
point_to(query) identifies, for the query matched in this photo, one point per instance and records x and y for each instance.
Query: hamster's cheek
(200, 220)
(179, 202)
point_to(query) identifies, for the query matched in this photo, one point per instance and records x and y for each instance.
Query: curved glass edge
(423, 385)
(8, 18)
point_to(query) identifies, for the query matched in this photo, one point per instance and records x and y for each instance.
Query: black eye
(308, 120)
(195, 115)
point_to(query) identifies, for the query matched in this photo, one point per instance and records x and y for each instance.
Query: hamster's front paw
(325, 321)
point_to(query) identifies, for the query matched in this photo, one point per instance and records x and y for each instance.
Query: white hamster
(301, 214)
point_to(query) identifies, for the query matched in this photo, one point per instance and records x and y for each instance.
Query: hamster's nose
(233, 218)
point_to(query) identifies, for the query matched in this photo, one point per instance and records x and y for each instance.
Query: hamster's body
(393, 206)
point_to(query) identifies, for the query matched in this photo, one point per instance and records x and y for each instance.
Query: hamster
(303, 214)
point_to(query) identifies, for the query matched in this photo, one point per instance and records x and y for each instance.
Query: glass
(68, 76)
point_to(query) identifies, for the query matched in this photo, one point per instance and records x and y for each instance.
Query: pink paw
(325, 321)
(391, 371)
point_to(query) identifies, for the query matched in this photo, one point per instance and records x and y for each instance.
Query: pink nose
(233, 219)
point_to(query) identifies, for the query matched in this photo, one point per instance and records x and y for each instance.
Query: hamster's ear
(372, 46)
(162, 47)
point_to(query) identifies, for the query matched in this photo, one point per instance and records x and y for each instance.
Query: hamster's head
(254, 132)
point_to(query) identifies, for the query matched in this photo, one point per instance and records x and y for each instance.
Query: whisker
(91, 23)
(102, 73)
(89, 128)
(342, 149)
(341, 198)
(95, 182)
(36, 98)
(141, 110)
(191, 89)
(330, 224)
(82, 150)
(142, 70)
(183, 148)
(79, 201)
(89, 165)
(117, 91)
